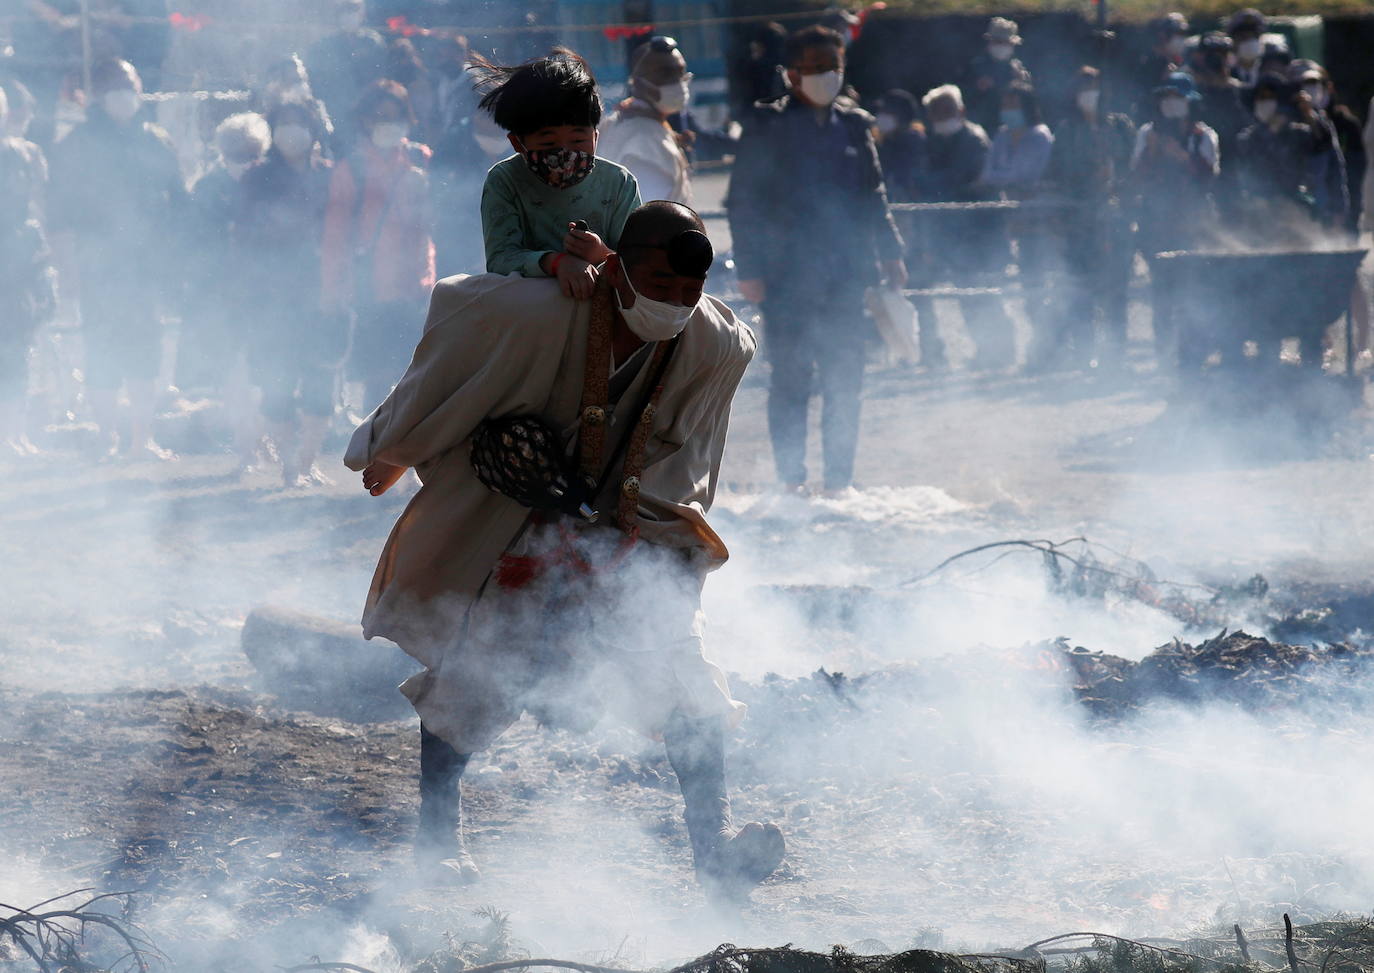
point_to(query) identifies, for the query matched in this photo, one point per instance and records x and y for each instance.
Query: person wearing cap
(1219, 107)
(637, 134)
(992, 71)
(1333, 186)
(560, 614)
(1275, 159)
(1168, 38)
(1174, 168)
(1090, 163)
(807, 170)
(1245, 29)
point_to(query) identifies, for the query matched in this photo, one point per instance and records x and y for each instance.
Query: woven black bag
(521, 457)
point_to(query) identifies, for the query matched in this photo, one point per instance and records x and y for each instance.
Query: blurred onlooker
(288, 80)
(21, 107)
(406, 67)
(1168, 38)
(117, 194)
(1173, 170)
(762, 75)
(295, 347)
(1245, 28)
(1016, 166)
(27, 284)
(1316, 82)
(808, 170)
(1089, 165)
(974, 251)
(1274, 160)
(378, 253)
(991, 72)
(637, 134)
(1329, 178)
(1276, 57)
(1219, 107)
(460, 162)
(901, 145)
(342, 65)
(209, 354)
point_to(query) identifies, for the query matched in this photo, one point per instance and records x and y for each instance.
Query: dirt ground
(140, 750)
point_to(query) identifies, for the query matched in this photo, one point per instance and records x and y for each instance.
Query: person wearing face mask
(992, 71)
(554, 208)
(1174, 168)
(1219, 107)
(1245, 28)
(1089, 165)
(637, 134)
(901, 145)
(378, 251)
(1337, 170)
(1168, 39)
(28, 293)
(119, 199)
(341, 66)
(807, 170)
(1275, 156)
(547, 611)
(287, 80)
(212, 334)
(294, 349)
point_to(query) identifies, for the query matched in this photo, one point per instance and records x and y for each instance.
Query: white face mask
(948, 126)
(1087, 100)
(1265, 109)
(121, 105)
(293, 141)
(1174, 108)
(887, 124)
(653, 320)
(672, 98)
(1319, 95)
(1001, 52)
(822, 89)
(1248, 50)
(389, 135)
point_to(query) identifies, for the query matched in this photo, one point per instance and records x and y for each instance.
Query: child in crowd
(535, 203)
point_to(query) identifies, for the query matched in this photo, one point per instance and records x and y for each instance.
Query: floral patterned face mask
(560, 168)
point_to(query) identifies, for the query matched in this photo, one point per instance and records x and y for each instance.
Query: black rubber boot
(440, 850)
(729, 862)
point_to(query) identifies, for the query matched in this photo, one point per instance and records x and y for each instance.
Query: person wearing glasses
(638, 134)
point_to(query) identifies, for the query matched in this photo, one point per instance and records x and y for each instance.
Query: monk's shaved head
(670, 227)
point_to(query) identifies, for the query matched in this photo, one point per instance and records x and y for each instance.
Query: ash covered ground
(1000, 760)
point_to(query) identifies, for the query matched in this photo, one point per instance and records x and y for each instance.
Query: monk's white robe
(496, 346)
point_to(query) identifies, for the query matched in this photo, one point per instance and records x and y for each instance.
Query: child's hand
(585, 245)
(576, 277)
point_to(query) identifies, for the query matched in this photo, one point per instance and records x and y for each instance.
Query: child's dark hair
(542, 93)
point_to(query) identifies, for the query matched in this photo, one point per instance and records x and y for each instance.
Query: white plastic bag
(896, 321)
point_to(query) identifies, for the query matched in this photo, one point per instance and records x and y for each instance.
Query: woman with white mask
(378, 249)
(637, 134)
(294, 349)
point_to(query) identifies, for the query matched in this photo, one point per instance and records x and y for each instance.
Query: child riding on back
(553, 209)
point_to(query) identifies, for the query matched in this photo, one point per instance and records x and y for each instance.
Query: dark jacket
(1091, 161)
(119, 190)
(903, 157)
(954, 166)
(808, 208)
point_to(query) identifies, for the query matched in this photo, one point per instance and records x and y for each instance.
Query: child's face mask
(561, 168)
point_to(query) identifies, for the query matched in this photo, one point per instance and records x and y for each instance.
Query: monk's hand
(576, 277)
(585, 245)
(380, 477)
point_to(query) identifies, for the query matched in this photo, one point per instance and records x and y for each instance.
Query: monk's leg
(439, 843)
(729, 861)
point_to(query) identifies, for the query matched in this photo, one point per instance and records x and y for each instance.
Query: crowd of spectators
(296, 265)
